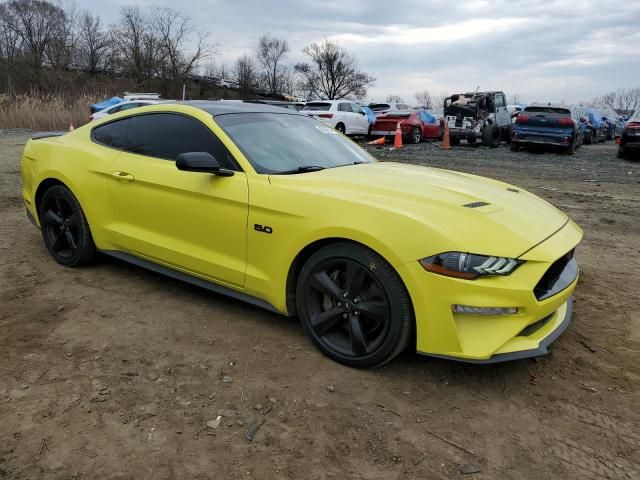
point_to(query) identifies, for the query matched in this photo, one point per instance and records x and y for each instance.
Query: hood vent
(476, 204)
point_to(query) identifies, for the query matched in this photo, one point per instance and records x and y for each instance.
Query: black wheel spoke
(56, 241)
(58, 204)
(73, 220)
(356, 335)
(375, 310)
(355, 278)
(324, 321)
(52, 218)
(70, 240)
(325, 285)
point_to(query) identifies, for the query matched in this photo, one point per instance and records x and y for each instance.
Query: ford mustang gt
(277, 209)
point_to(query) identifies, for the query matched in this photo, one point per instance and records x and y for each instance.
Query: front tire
(491, 136)
(353, 305)
(65, 229)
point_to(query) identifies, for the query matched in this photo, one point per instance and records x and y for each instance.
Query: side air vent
(476, 204)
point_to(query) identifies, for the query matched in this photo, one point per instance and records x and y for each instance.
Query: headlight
(469, 265)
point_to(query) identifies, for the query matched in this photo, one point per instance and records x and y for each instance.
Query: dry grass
(46, 112)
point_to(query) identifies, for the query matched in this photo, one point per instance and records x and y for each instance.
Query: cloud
(551, 51)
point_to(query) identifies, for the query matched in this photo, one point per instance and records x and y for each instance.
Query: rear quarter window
(112, 134)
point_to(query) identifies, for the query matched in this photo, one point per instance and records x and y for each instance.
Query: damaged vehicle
(478, 116)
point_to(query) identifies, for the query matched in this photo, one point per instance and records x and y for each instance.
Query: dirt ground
(113, 372)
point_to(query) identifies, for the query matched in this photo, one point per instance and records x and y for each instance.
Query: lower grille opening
(535, 326)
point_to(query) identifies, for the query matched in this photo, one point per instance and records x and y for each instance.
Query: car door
(503, 118)
(360, 119)
(346, 116)
(193, 222)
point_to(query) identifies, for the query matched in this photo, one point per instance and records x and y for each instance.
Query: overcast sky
(542, 50)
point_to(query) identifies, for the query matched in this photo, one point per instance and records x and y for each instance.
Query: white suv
(119, 107)
(343, 115)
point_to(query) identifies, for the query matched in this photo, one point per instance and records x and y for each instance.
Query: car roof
(222, 107)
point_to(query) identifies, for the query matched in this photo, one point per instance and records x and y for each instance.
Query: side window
(115, 109)
(167, 135)
(112, 134)
(355, 108)
(499, 101)
(344, 107)
(129, 106)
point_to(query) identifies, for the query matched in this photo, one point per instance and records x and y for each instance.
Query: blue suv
(547, 125)
(595, 126)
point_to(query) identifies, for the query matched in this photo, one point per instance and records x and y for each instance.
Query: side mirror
(202, 162)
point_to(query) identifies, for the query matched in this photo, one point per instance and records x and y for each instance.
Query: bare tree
(393, 98)
(35, 22)
(424, 99)
(137, 44)
(513, 99)
(269, 54)
(174, 34)
(94, 41)
(10, 48)
(333, 72)
(245, 73)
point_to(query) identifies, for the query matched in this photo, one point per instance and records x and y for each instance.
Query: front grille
(560, 275)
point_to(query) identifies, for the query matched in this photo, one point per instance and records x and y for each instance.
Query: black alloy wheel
(353, 306)
(65, 229)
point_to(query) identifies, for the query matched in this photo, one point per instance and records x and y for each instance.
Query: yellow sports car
(273, 207)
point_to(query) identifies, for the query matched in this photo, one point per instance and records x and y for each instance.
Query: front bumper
(540, 319)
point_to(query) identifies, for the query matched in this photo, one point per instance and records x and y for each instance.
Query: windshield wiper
(304, 169)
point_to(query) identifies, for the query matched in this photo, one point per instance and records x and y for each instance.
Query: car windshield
(279, 143)
(317, 106)
(544, 109)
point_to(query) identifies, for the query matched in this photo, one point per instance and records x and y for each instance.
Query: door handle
(123, 176)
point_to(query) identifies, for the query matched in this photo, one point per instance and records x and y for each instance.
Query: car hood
(478, 215)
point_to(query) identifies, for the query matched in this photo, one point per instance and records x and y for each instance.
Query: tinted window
(317, 106)
(344, 107)
(112, 134)
(499, 101)
(544, 109)
(377, 107)
(166, 135)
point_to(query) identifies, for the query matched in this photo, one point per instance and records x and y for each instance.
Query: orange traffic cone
(71, 129)
(397, 141)
(445, 144)
(379, 141)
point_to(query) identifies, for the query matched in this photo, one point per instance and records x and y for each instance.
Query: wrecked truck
(478, 116)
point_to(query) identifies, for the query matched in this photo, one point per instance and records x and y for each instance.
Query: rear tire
(571, 149)
(514, 147)
(353, 305)
(415, 136)
(340, 127)
(65, 229)
(454, 141)
(620, 152)
(491, 136)
(588, 139)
